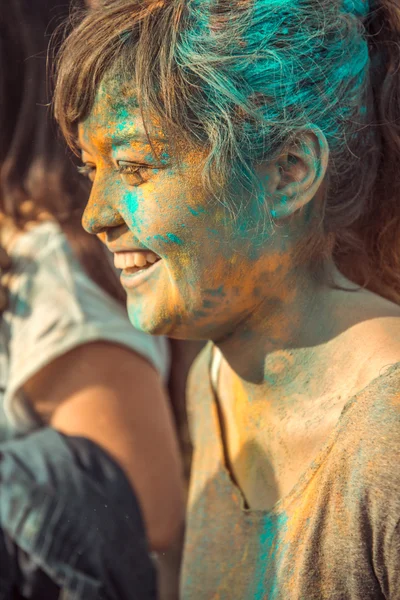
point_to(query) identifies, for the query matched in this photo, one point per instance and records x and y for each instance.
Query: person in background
(81, 392)
(251, 149)
(70, 525)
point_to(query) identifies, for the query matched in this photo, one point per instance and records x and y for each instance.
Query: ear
(292, 180)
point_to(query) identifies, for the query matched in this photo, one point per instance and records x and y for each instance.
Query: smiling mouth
(133, 262)
(137, 267)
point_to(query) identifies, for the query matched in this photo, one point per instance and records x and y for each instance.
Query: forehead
(116, 120)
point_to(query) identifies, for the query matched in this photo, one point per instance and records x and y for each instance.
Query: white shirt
(54, 307)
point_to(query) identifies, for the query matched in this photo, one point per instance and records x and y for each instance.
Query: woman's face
(212, 268)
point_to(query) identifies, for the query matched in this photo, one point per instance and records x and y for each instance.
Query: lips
(135, 259)
(134, 277)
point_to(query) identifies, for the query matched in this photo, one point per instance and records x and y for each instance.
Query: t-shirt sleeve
(56, 307)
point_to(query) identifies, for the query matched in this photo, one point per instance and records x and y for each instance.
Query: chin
(182, 325)
(148, 322)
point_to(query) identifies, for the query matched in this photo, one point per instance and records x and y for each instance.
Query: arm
(115, 398)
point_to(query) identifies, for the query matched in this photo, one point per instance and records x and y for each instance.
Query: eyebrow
(126, 138)
(121, 139)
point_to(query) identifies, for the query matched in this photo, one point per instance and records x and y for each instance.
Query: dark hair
(241, 77)
(38, 177)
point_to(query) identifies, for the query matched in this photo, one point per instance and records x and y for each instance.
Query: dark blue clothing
(69, 521)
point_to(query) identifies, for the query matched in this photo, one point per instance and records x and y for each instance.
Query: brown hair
(38, 178)
(240, 77)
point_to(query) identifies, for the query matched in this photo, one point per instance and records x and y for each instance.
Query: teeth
(151, 257)
(129, 260)
(140, 259)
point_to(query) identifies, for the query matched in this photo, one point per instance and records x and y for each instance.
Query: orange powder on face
(203, 246)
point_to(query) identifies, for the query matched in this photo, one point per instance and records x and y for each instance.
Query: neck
(282, 349)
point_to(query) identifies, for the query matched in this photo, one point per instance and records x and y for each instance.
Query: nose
(100, 214)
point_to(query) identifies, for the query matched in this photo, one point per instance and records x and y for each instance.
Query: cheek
(131, 203)
(162, 213)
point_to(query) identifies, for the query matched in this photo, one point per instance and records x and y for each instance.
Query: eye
(87, 170)
(133, 173)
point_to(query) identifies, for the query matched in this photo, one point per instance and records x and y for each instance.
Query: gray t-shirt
(54, 307)
(335, 536)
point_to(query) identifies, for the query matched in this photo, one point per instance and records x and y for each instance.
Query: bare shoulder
(372, 323)
(367, 327)
(381, 333)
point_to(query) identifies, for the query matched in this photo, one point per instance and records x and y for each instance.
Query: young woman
(69, 358)
(244, 159)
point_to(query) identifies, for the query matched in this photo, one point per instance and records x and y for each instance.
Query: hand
(5, 263)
